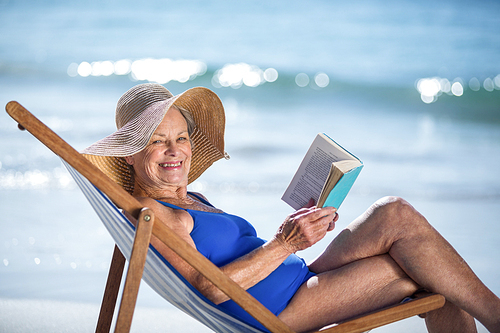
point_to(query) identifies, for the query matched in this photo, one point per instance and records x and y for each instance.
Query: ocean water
(412, 89)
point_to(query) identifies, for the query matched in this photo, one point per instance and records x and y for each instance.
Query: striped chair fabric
(158, 273)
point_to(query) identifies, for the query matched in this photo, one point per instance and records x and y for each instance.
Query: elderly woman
(164, 142)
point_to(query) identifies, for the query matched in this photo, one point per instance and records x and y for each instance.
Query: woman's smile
(170, 165)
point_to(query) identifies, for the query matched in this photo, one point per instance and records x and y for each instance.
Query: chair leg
(111, 292)
(136, 267)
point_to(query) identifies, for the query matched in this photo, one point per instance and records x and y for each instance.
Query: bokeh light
(488, 84)
(302, 79)
(428, 89)
(84, 69)
(474, 84)
(153, 70)
(445, 85)
(457, 88)
(165, 70)
(123, 67)
(270, 75)
(431, 88)
(241, 74)
(236, 75)
(73, 70)
(497, 82)
(102, 68)
(322, 80)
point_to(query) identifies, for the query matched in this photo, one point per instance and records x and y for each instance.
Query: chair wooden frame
(146, 227)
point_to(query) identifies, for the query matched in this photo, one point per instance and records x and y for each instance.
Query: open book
(326, 174)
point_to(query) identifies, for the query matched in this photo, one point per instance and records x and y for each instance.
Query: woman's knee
(393, 218)
(397, 211)
(394, 205)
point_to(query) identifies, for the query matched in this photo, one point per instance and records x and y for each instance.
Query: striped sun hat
(139, 112)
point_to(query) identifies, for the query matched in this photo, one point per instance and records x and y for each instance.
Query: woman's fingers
(306, 227)
(309, 204)
(331, 225)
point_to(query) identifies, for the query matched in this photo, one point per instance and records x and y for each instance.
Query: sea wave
(475, 98)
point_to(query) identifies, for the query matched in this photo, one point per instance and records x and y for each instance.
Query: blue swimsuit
(223, 237)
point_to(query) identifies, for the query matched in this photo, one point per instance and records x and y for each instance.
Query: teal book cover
(342, 188)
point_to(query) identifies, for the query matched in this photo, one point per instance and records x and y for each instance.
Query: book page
(313, 171)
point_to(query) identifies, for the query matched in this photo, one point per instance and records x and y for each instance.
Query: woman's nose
(171, 148)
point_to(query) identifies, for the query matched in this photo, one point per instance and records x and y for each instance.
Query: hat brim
(207, 136)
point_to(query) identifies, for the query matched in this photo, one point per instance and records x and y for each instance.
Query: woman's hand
(306, 227)
(311, 203)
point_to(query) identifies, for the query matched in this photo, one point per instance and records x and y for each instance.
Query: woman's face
(167, 158)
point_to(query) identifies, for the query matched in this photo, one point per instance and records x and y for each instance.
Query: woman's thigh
(373, 233)
(350, 290)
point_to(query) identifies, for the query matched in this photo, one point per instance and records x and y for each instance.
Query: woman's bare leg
(450, 318)
(343, 293)
(393, 226)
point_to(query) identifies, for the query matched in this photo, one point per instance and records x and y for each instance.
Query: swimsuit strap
(190, 193)
(201, 199)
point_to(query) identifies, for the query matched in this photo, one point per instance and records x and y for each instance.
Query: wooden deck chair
(145, 262)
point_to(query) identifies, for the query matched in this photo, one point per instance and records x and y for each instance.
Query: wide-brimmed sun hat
(139, 112)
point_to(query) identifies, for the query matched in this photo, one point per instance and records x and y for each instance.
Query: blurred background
(411, 88)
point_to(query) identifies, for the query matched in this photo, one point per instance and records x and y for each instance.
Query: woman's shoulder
(148, 202)
(157, 206)
(172, 217)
